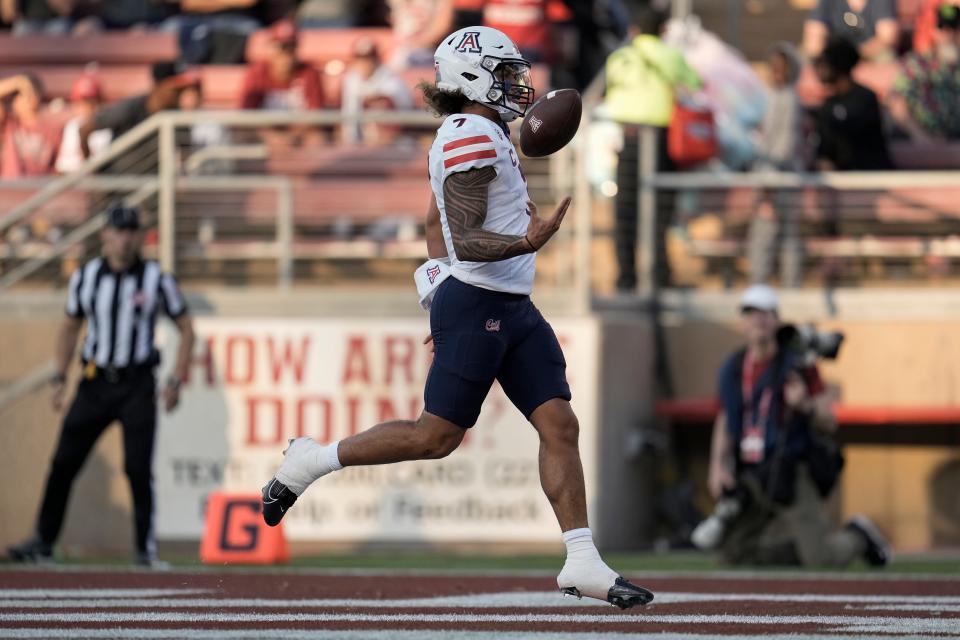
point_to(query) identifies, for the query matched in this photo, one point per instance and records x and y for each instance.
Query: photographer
(773, 460)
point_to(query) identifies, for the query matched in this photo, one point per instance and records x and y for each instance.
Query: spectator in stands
(926, 94)
(85, 99)
(467, 13)
(130, 14)
(370, 84)
(870, 25)
(281, 81)
(418, 26)
(30, 136)
(205, 133)
(642, 77)
(849, 122)
(29, 17)
(169, 80)
(327, 14)
(239, 16)
(925, 25)
(527, 23)
(215, 31)
(779, 148)
(772, 459)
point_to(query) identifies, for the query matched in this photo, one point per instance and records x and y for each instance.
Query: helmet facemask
(511, 91)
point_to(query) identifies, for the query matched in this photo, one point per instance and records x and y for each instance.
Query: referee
(119, 295)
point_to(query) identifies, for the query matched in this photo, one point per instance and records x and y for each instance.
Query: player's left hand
(429, 341)
(171, 396)
(539, 229)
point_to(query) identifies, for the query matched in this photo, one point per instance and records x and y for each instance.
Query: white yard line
(38, 592)
(374, 634)
(938, 608)
(526, 599)
(686, 574)
(877, 624)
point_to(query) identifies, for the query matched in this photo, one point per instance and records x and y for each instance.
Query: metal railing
(228, 219)
(884, 217)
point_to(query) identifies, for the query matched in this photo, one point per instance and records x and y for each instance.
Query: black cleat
(622, 594)
(277, 498)
(31, 551)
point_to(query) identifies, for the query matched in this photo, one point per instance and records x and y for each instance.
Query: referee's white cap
(761, 297)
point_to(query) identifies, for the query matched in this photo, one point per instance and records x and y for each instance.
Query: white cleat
(300, 464)
(602, 583)
(293, 477)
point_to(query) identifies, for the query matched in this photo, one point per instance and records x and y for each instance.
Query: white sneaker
(597, 580)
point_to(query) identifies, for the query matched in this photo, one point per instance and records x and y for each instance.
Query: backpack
(692, 134)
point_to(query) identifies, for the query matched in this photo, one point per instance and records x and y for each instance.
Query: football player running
(483, 325)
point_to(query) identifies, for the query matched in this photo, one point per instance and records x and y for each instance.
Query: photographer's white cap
(761, 297)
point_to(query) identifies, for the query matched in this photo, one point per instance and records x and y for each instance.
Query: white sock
(584, 568)
(580, 545)
(307, 461)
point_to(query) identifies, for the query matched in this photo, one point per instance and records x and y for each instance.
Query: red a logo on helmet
(469, 42)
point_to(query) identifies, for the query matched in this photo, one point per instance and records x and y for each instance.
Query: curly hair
(443, 103)
(839, 55)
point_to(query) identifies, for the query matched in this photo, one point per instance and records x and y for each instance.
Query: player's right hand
(540, 230)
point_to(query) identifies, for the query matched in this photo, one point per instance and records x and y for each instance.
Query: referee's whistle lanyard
(754, 433)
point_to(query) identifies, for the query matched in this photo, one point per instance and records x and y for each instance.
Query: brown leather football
(550, 123)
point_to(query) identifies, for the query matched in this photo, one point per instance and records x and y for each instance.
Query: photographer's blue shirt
(765, 379)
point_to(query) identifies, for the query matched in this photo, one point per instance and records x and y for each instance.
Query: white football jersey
(466, 141)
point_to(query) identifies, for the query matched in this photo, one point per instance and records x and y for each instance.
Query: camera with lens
(805, 341)
(708, 534)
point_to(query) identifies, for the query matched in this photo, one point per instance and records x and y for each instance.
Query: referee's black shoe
(277, 498)
(33, 551)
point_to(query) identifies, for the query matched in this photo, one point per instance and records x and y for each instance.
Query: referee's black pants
(131, 400)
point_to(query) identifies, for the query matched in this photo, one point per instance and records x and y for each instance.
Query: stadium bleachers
(332, 183)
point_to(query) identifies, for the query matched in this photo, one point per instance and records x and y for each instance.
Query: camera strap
(783, 430)
(754, 430)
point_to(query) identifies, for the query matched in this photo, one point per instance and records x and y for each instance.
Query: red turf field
(83, 603)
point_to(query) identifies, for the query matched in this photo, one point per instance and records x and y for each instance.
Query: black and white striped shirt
(121, 310)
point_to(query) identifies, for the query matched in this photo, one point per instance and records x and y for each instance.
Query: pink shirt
(28, 150)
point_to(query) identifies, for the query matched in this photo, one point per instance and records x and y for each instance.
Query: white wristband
(428, 277)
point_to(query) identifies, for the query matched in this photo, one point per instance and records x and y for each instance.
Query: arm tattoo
(465, 204)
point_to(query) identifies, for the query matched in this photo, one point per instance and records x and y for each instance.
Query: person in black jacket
(849, 123)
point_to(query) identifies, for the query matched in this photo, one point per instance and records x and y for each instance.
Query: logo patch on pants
(493, 325)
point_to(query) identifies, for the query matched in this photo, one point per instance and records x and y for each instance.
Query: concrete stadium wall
(98, 520)
(897, 353)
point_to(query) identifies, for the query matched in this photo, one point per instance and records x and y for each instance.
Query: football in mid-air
(550, 123)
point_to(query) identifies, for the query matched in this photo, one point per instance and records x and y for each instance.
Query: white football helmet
(486, 67)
